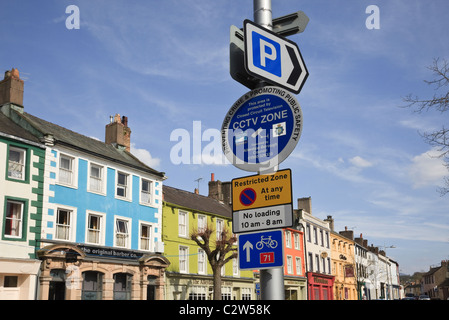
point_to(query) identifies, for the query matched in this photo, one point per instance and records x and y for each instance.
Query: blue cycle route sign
(261, 250)
(261, 129)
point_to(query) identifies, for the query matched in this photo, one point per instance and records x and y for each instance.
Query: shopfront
(78, 272)
(320, 286)
(295, 288)
(18, 278)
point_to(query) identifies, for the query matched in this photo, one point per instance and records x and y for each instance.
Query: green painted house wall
(173, 240)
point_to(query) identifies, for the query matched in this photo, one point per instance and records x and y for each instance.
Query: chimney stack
(11, 88)
(305, 204)
(331, 222)
(220, 191)
(118, 133)
(347, 233)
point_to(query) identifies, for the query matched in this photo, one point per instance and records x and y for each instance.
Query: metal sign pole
(271, 280)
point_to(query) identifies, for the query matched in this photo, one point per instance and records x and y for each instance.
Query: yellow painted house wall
(172, 239)
(342, 254)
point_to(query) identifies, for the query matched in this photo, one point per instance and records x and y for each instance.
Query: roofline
(31, 122)
(12, 137)
(193, 210)
(151, 171)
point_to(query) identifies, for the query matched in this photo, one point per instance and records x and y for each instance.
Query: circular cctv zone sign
(261, 129)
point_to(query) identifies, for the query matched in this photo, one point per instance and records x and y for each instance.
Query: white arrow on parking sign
(273, 58)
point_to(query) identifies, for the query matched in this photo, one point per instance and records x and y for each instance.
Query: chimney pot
(118, 132)
(212, 177)
(11, 88)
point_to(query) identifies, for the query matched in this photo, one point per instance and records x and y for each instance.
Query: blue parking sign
(267, 54)
(273, 58)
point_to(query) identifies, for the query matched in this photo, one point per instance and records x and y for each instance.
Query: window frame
(198, 292)
(101, 179)
(23, 220)
(202, 222)
(148, 238)
(101, 230)
(126, 187)
(202, 261)
(72, 170)
(183, 259)
(150, 193)
(297, 241)
(126, 235)
(122, 293)
(96, 292)
(183, 224)
(235, 267)
(70, 226)
(24, 163)
(289, 259)
(220, 226)
(288, 239)
(298, 266)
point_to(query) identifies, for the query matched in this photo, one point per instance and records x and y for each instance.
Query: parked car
(424, 297)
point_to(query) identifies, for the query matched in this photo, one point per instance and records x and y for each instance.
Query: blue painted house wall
(86, 201)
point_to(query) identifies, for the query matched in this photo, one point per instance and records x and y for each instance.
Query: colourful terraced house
(22, 158)
(189, 276)
(94, 218)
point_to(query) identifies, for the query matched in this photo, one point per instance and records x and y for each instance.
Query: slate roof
(76, 141)
(195, 202)
(9, 128)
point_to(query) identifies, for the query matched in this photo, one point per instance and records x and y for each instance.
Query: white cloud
(145, 156)
(360, 162)
(427, 169)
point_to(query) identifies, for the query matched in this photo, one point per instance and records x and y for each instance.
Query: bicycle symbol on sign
(270, 243)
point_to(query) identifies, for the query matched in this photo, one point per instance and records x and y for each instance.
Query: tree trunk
(217, 282)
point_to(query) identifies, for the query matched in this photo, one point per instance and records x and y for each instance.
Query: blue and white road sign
(261, 129)
(273, 58)
(262, 250)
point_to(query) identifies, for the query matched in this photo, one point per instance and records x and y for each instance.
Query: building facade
(22, 159)
(100, 230)
(189, 276)
(295, 281)
(364, 283)
(435, 282)
(317, 256)
(343, 265)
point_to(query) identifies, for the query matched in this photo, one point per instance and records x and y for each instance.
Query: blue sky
(165, 65)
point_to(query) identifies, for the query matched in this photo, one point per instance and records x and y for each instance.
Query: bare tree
(216, 252)
(439, 102)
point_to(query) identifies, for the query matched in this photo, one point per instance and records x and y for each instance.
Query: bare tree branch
(439, 102)
(217, 256)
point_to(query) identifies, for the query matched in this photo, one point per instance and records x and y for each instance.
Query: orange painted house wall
(294, 251)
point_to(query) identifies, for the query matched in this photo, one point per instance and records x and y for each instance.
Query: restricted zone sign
(262, 202)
